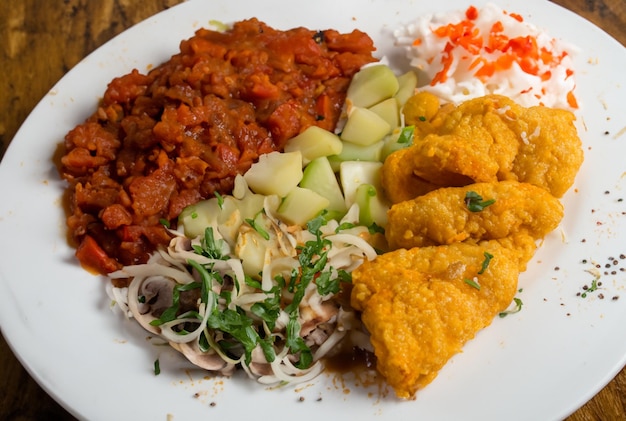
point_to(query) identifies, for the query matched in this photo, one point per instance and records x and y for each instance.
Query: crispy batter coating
(403, 183)
(443, 217)
(492, 138)
(420, 310)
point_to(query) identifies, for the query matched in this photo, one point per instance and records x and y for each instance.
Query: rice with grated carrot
(466, 54)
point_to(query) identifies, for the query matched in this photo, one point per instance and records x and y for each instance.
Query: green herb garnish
(518, 308)
(344, 226)
(157, 367)
(472, 283)
(475, 202)
(209, 246)
(406, 135)
(258, 228)
(594, 286)
(485, 265)
(220, 200)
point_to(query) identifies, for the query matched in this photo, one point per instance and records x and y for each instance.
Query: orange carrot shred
(571, 99)
(471, 13)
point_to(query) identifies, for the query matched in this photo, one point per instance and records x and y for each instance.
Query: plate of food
(394, 210)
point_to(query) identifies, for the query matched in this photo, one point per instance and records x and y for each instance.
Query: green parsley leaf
(592, 288)
(258, 228)
(485, 265)
(269, 309)
(220, 200)
(157, 367)
(374, 228)
(344, 226)
(209, 246)
(472, 283)
(296, 343)
(406, 135)
(326, 284)
(516, 309)
(475, 202)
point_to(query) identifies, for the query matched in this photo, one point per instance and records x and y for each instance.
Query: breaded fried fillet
(444, 217)
(398, 180)
(422, 305)
(492, 138)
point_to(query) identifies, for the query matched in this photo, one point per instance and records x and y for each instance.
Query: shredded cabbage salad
(472, 53)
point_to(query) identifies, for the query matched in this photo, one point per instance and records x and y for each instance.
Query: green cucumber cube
(372, 84)
(301, 205)
(313, 143)
(364, 127)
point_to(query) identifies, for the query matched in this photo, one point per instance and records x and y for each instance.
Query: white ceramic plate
(541, 363)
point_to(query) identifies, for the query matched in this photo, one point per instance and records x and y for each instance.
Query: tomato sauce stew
(166, 139)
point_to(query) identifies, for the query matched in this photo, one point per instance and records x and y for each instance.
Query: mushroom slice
(156, 296)
(210, 360)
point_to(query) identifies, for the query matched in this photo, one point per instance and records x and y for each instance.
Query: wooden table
(41, 40)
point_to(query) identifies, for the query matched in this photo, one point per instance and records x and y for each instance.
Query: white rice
(426, 50)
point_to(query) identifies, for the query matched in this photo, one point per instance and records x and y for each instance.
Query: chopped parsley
(594, 287)
(472, 282)
(485, 264)
(475, 202)
(406, 136)
(255, 226)
(209, 246)
(516, 309)
(220, 200)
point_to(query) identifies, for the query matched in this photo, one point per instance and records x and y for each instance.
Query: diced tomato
(93, 258)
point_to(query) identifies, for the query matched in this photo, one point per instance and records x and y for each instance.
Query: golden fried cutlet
(492, 138)
(422, 305)
(444, 217)
(398, 180)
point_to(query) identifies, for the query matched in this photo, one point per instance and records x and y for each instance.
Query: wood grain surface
(41, 40)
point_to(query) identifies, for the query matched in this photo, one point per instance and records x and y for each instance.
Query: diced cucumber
(320, 177)
(275, 173)
(372, 84)
(313, 143)
(399, 139)
(354, 173)
(197, 217)
(388, 110)
(407, 84)
(354, 152)
(335, 162)
(372, 206)
(251, 247)
(301, 205)
(364, 127)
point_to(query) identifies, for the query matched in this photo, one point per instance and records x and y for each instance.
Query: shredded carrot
(417, 42)
(471, 13)
(446, 60)
(494, 51)
(571, 99)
